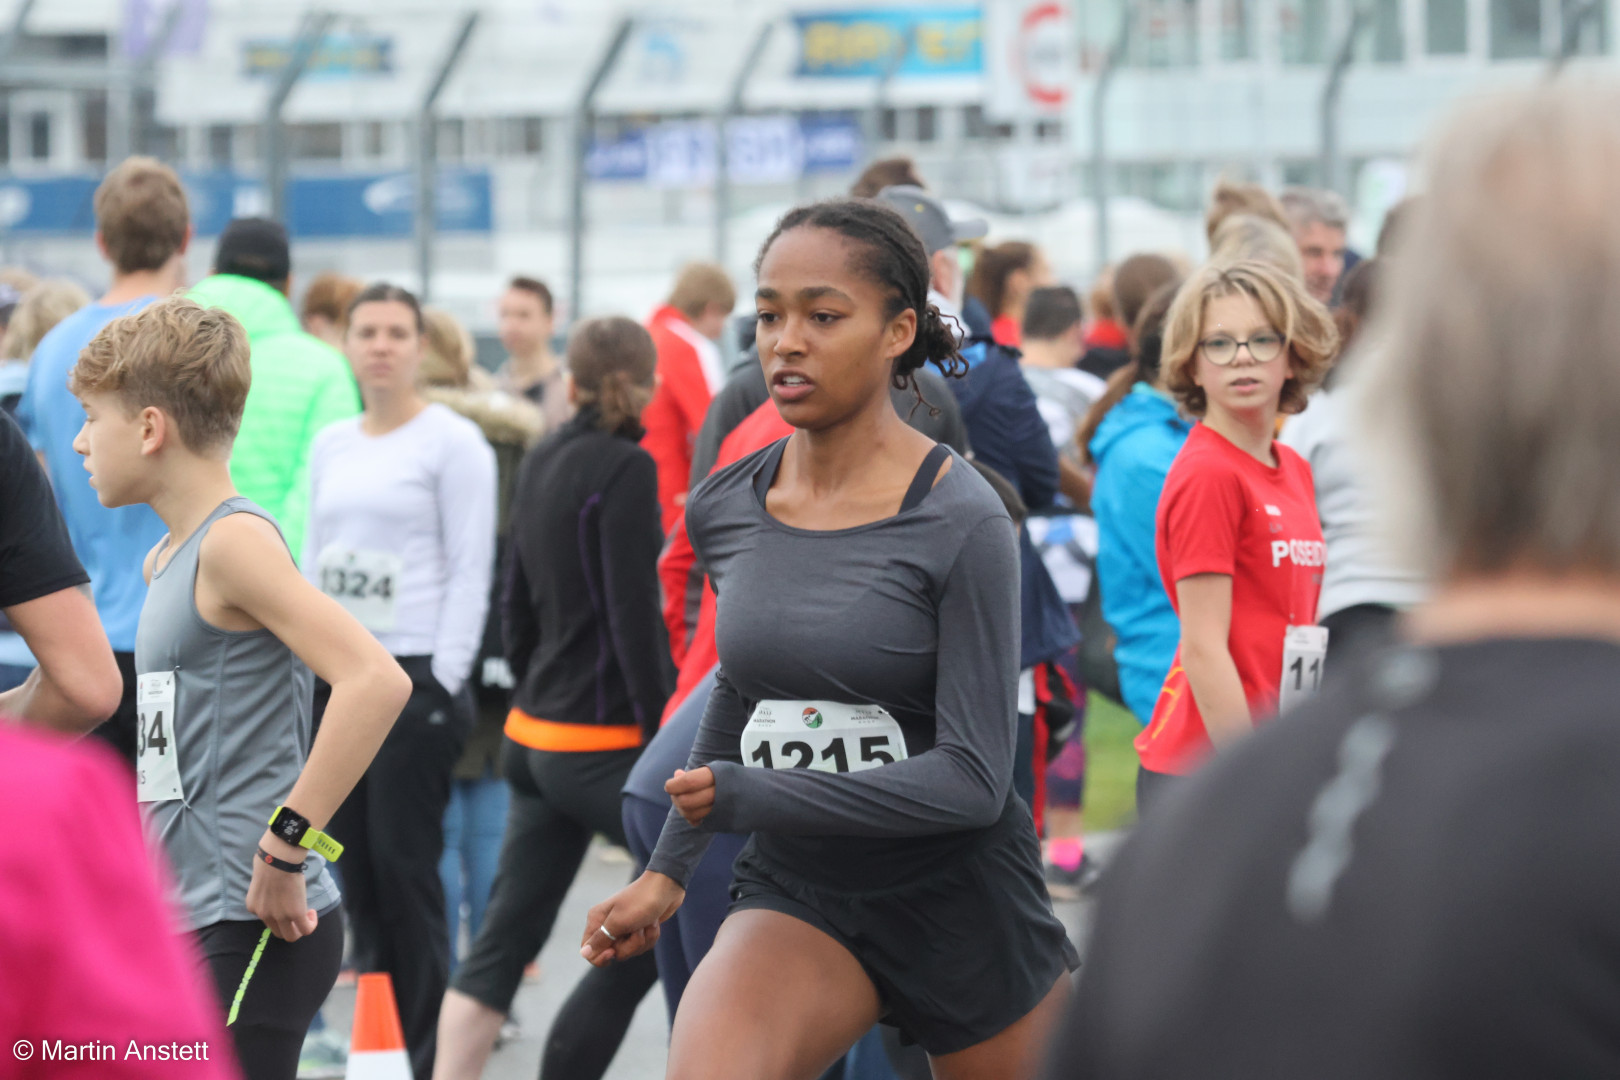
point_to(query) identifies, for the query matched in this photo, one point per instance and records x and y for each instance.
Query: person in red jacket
(690, 370)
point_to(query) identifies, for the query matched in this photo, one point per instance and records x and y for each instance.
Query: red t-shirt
(1223, 512)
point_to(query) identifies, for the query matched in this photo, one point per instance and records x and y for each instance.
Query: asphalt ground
(642, 1055)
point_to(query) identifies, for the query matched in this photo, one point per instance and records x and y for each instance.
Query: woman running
(402, 534)
(862, 722)
(585, 640)
(1239, 544)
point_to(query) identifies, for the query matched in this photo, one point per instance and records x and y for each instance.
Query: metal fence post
(1332, 159)
(584, 122)
(1099, 130)
(427, 154)
(733, 107)
(310, 34)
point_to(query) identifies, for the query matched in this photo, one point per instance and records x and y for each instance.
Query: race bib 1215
(825, 735)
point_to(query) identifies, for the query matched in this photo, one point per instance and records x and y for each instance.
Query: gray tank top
(239, 729)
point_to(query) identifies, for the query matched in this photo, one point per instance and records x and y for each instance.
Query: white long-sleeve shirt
(415, 506)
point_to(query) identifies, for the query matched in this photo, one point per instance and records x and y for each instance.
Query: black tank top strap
(766, 476)
(923, 482)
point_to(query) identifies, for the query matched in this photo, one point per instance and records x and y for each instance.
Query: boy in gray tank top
(228, 636)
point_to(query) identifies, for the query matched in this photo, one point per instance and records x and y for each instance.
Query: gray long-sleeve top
(917, 613)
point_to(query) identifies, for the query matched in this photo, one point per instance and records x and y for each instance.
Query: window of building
(166, 143)
(219, 145)
(889, 125)
(1445, 27)
(1593, 37)
(1049, 131)
(1515, 29)
(1237, 29)
(1305, 173)
(1303, 25)
(373, 138)
(5, 136)
(927, 124)
(519, 136)
(94, 127)
(1166, 34)
(1385, 41)
(246, 144)
(452, 140)
(39, 136)
(974, 125)
(318, 142)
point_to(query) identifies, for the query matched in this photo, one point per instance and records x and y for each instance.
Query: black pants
(1151, 788)
(282, 995)
(686, 938)
(392, 830)
(1355, 631)
(118, 730)
(559, 800)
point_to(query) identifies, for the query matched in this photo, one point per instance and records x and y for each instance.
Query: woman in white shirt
(401, 533)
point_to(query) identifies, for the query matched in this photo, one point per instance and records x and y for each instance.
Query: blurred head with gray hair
(1492, 398)
(1319, 219)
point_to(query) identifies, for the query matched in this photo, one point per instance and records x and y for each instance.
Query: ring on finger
(603, 930)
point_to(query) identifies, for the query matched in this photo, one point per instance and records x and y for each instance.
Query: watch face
(287, 827)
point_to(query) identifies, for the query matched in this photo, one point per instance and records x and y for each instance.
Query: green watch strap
(321, 844)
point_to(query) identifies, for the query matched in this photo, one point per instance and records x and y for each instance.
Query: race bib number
(823, 735)
(365, 583)
(157, 754)
(1304, 653)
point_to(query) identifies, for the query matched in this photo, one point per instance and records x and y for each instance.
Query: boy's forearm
(359, 715)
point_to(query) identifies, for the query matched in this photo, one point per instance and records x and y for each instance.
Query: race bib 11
(157, 753)
(825, 735)
(1304, 654)
(364, 582)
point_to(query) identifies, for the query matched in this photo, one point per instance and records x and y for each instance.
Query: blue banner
(909, 41)
(760, 149)
(348, 205)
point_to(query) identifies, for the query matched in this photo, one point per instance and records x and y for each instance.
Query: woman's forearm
(1218, 691)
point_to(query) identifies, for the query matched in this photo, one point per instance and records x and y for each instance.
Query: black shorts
(957, 956)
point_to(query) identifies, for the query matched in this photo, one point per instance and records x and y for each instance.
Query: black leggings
(559, 800)
(282, 995)
(392, 829)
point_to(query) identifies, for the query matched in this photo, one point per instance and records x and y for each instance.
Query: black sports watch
(293, 827)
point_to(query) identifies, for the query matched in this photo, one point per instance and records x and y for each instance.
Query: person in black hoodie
(586, 645)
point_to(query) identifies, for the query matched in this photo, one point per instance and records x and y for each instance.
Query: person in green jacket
(300, 383)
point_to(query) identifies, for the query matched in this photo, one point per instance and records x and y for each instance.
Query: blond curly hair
(1312, 337)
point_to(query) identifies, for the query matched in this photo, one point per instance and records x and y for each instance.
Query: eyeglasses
(1222, 349)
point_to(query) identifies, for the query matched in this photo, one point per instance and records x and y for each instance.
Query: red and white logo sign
(1041, 53)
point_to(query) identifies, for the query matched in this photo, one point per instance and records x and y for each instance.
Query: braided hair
(889, 253)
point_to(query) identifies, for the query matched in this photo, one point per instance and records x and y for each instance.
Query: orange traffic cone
(377, 1047)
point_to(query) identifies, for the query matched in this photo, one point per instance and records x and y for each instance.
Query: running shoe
(511, 1031)
(325, 1056)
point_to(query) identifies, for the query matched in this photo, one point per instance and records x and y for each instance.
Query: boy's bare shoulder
(246, 542)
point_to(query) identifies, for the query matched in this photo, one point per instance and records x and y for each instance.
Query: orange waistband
(539, 734)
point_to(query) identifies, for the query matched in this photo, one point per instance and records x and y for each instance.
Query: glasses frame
(1282, 347)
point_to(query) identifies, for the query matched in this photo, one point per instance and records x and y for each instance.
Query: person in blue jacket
(1133, 434)
(1009, 436)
